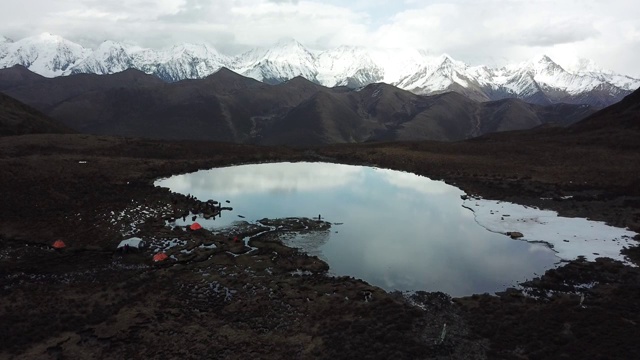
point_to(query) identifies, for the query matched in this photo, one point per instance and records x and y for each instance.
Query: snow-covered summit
(196, 51)
(436, 75)
(183, 61)
(45, 54)
(285, 60)
(108, 58)
(348, 66)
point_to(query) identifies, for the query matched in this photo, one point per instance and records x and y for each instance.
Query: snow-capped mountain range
(539, 80)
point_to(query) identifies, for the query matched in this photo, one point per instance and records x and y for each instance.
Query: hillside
(232, 108)
(17, 118)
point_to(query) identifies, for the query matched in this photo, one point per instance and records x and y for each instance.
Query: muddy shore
(87, 301)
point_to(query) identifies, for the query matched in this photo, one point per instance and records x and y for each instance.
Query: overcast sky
(475, 31)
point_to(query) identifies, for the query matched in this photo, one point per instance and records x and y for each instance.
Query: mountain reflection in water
(399, 231)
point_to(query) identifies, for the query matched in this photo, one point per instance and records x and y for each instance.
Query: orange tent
(160, 257)
(195, 226)
(59, 244)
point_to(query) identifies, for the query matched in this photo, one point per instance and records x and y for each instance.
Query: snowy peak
(184, 61)
(543, 60)
(539, 80)
(348, 66)
(197, 51)
(447, 66)
(438, 75)
(541, 64)
(447, 61)
(544, 65)
(286, 60)
(532, 79)
(289, 44)
(48, 37)
(289, 51)
(46, 54)
(110, 57)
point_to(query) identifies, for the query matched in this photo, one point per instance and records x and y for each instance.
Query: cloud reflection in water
(401, 231)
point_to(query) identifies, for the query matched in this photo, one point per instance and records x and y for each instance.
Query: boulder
(515, 234)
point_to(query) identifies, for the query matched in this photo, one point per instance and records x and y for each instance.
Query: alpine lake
(395, 230)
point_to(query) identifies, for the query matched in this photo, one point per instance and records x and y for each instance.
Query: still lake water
(395, 230)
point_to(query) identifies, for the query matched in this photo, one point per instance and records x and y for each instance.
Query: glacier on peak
(284, 61)
(108, 58)
(46, 54)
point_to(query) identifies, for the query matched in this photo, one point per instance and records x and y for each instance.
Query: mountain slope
(17, 76)
(45, 93)
(17, 118)
(229, 107)
(623, 116)
(322, 119)
(192, 109)
(616, 129)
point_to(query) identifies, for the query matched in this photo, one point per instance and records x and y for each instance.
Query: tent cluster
(134, 243)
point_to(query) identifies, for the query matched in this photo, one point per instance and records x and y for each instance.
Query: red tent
(195, 226)
(160, 257)
(59, 244)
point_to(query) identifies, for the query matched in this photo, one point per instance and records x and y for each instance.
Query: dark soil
(234, 302)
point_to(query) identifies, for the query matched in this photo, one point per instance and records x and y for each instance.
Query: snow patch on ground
(128, 220)
(299, 272)
(162, 245)
(568, 237)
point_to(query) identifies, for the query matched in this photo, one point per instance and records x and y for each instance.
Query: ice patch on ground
(211, 246)
(569, 237)
(299, 272)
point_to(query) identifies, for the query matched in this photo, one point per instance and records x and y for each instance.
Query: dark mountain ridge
(229, 107)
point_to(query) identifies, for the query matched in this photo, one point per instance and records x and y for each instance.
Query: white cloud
(284, 178)
(417, 183)
(478, 31)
